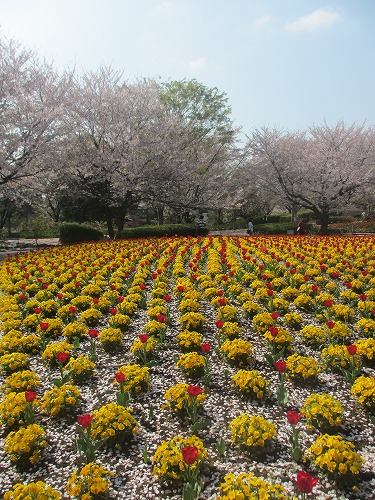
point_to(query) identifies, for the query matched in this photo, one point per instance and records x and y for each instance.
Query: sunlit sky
(283, 63)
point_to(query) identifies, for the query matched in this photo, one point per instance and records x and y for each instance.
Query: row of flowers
(91, 299)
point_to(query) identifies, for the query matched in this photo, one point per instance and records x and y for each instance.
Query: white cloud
(197, 63)
(260, 22)
(321, 18)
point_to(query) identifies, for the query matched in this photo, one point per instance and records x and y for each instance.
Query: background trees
(321, 169)
(92, 147)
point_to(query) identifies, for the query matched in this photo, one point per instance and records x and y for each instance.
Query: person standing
(250, 227)
(201, 226)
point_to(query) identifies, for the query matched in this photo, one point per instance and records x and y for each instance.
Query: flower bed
(103, 341)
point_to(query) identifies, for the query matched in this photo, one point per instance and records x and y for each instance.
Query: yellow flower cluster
(177, 397)
(335, 455)
(366, 326)
(189, 340)
(89, 483)
(137, 378)
(168, 459)
(192, 320)
(343, 312)
(366, 349)
(251, 308)
(60, 400)
(282, 340)
(293, 320)
(188, 305)
(336, 357)
(304, 302)
(23, 380)
(121, 321)
(114, 423)
(314, 336)
(227, 313)
(302, 368)
(49, 354)
(80, 368)
(74, 329)
(322, 411)
(239, 352)
(38, 490)
(231, 329)
(252, 431)
(251, 384)
(154, 327)
(263, 321)
(11, 342)
(13, 361)
(364, 389)
(247, 486)
(12, 408)
(111, 338)
(27, 444)
(192, 364)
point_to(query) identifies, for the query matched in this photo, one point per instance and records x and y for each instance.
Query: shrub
(163, 230)
(76, 233)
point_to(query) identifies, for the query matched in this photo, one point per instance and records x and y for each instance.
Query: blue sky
(283, 63)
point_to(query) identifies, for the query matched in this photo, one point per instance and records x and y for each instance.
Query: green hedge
(163, 230)
(275, 228)
(71, 232)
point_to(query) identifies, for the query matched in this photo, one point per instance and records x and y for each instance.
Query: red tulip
(330, 324)
(120, 377)
(143, 337)
(30, 396)
(304, 481)
(219, 323)
(85, 420)
(280, 365)
(328, 303)
(194, 390)
(189, 454)
(44, 326)
(274, 315)
(273, 331)
(352, 349)
(293, 417)
(62, 356)
(205, 348)
(93, 333)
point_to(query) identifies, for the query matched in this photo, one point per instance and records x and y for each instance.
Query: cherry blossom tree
(32, 103)
(321, 169)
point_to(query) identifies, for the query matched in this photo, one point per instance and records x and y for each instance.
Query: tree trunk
(160, 212)
(219, 216)
(324, 218)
